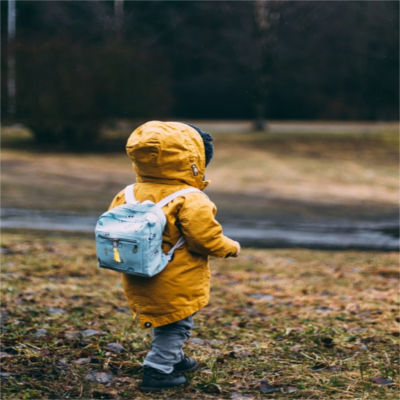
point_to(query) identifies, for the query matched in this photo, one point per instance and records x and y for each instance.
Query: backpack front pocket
(123, 255)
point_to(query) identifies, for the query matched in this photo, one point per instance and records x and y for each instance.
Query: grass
(299, 324)
(303, 324)
(341, 168)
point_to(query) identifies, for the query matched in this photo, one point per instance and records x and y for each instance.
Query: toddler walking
(167, 157)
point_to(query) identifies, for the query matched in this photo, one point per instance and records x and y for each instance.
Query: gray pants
(166, 347)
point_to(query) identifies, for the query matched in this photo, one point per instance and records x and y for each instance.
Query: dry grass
(337, 168)
(318, 168)
(313, 324)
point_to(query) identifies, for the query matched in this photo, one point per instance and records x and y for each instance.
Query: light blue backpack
(129, 237)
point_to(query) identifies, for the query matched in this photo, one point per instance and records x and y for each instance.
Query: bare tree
(251, 34)
(11, 77)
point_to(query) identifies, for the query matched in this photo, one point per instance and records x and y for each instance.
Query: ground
(297, 323)
(287, 323)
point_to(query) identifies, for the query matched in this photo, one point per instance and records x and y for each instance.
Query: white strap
(129, 195)
(173, 196)
(179, 243)
(164, 202)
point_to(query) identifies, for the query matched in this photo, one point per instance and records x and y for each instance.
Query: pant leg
(166, 347)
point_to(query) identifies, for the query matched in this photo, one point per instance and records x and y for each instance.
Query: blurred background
(301, 97)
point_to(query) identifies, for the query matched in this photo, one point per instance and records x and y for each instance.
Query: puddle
(46, 220)
(324, 233)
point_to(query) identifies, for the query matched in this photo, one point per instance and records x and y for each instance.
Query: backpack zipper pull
(117, 257)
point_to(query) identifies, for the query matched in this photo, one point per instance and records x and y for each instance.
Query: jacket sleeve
(203, 234)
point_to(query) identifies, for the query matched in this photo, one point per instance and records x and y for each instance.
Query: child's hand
(238, 250)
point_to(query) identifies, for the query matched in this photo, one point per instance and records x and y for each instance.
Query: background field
(281, 323)
(354, 169)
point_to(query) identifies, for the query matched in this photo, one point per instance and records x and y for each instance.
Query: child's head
(207, 140)
(172, 152)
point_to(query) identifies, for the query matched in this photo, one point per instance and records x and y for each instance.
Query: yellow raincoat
(167, 157)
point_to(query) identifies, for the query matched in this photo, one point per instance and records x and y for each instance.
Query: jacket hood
(167, 152)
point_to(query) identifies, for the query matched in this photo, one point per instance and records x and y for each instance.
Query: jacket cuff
(231, 247)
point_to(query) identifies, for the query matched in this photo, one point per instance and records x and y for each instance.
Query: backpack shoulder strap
(179, 243)
(173, 196)
(164, 202)
(129, 194)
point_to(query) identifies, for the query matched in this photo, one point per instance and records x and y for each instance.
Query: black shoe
(186, 365)
(154, 380)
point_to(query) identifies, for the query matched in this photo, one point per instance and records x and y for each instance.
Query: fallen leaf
(239, 396)
(62, 362)
(323, 367)
(362, 346)
(115, 347)
(56, 311)
(296, 348)
(82, 361)
(197, 341)
(90, 332)
(40, 333)
(380, 380)
(215, 342)
(71, 335)
(265, 388)
(5, 355)
(239, 354)
(99, 377)
(123, 310)
(289, 389)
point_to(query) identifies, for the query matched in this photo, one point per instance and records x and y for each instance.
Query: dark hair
(207, 140)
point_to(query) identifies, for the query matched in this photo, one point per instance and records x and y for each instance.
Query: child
(167, 157)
